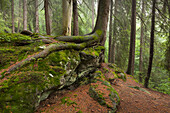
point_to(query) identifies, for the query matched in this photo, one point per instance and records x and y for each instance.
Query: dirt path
(132, 100)
(136, 101)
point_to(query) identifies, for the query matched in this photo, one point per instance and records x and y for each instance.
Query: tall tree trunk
(12, 13)
(36, 17)
(110, 32)
(92, 14)
(67, 16)
(168, 46)
(131, 62)
(75, 19)
(151, 45)
(51, 19)
(25, 14)
(141, 41)
(19, 16)
(113, 50)
(47, 18)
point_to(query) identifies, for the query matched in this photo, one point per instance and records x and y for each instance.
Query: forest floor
(132, 100)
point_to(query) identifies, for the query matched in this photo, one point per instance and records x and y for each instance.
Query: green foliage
(3, 24)
(162, 86)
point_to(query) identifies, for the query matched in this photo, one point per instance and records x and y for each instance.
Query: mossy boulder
(22, 89)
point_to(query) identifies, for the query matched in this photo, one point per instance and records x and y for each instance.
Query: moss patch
(13, 37)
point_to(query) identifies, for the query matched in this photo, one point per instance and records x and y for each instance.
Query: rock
(26, 32)
(32, 84)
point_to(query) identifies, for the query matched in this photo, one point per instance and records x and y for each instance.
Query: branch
(77, 39)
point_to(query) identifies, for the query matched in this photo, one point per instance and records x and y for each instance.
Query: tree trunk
(36, 17)
(113, 50)
(67, 16)
(168, 46)
(110, 32)
(47, 18)
(92, 14)
(12, 13)
(51, 20)
(131, 62)
(75, 19)
(25, 14)
(151, 45)
(19, 19)
(102, 19)
(141, 42)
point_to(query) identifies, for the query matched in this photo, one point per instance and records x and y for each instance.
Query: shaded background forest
(119, 30)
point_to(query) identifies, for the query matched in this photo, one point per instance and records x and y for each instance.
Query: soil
(132, 100)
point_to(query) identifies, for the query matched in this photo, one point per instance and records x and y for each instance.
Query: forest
(131, 36)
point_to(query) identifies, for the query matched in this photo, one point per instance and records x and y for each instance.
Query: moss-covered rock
(24, 88)
(13, 38)
(97, 95)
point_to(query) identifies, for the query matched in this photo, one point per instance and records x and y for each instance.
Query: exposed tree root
(88, 41)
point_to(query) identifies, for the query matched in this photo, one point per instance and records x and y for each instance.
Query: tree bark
(19, 19)
(110, 32)
(113, 50)
(131, 62)
(102, 19)
(141, 41)
(92, 14)
(36, 17)
(24, 14)
(151, 45)
(67, 16)
(47, 17)
(12, 13)
(75, 19)
(168, 46)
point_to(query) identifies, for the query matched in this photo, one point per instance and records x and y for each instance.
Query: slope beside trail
(131, 100)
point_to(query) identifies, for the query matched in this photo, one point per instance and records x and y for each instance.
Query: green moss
(99, 32)
(95, 37)
(10, 54)
(81, 38)
(38, 76)
(13, 37)
(96, 95)
(66, 100)
(35, 35)
(105, 70)
(6, 50)
(94, 51)
(26, 86)
(19, 91)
